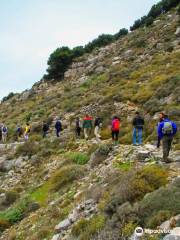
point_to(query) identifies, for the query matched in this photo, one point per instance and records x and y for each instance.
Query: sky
(31, 30)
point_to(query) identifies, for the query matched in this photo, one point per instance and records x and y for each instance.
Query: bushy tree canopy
(156, 10)
(61, 58)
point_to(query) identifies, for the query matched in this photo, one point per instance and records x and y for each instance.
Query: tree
(136, 25)
(78, 51)
(58, 63)
(101, 41)
(149, 21)
(122, 32)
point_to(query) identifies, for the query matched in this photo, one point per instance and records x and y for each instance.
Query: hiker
(4, 132)
(161, 118)
(45, 129)
(18, 132)
(138, 123)
(87, 126)
(115, 127)
(166, 131)
(58, 127)
(78, 127)
(97, 126)
(27, 131)
(0, 132)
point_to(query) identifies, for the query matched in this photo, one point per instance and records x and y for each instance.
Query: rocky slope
(72, 189)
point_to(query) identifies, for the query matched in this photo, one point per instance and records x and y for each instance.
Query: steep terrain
(73, 189)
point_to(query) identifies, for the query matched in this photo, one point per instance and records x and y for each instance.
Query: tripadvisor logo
(139, 231)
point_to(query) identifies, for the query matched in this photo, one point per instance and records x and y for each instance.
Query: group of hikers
(166, 130)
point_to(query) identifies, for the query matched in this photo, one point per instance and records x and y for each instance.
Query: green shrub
(66, 175)
(85, 229)
(10, 197)
(158, 218)
(128, 229)
(77, 157)
(134, 185)
(165, 199)
(29, 148)
(15, 213)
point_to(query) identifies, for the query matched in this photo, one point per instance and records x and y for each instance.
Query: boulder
(142, 155)
(56, 237)
(174, 235)
(6, 165)
(63, 225)
(99, 69)
(177, 33)
(73, 216)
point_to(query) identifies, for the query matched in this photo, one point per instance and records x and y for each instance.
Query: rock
(99, 70)
(128, 53)
(174, 235)
(142, 155)
(177, 33)
(96, 158)
(73, 216)
(6, 165)
(63, 225)
(157, 21)
(56, 237)
(89, 202)
(167, 224)
(115, 63)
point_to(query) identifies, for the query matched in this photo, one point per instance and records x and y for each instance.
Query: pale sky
(32, 29)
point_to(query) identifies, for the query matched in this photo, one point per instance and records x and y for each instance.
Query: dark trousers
(78, 131)
(57, 132)
(158, 142)
(166, 141)
(115, 135)
(45, 134)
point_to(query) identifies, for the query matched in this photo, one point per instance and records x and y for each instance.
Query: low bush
(4, 224)
(15, 213)
(10, 197)
(134, 185)
(85, 229)
(29, 148)
(158, 218)
(66, 175)
(77, 157)
(165, 199)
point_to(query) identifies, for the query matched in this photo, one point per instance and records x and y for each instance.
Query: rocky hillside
(72, 189)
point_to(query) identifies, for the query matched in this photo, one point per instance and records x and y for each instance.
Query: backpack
(116, 125)
(4, 130)
(167, 128)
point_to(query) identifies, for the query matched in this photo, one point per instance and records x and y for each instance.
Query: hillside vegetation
(74, 189)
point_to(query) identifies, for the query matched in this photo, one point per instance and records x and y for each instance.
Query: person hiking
(27, 131)
(45, 129)
(97, 126)
(166, 131)
(78, 127)
(115, 128)
(4, 131)
(0, 132)
(58, 127)
(161, 118)
(18, 132)
(138, 123)
(87, 126)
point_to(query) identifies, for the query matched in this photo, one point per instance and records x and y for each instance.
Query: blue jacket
(161, 125)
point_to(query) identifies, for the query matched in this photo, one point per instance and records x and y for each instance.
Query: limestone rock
(177, 33)
(56, 237)
(142, 155)
(63, 225)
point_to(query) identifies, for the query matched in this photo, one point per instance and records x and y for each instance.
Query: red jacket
(115, 124)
